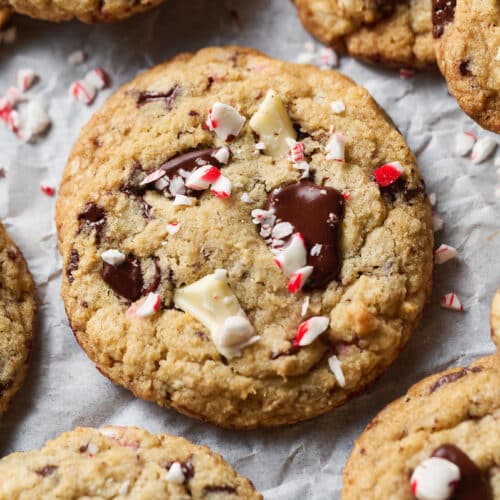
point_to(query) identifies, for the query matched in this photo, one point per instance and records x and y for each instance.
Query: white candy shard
(437, 222)
(464, 142)
(336, 368)
(305, 307)
(25, 79)
(433, 199)
(76, 57)
(212, 302)
(328, 58)
(173, 227)
(225, 121)
(299, 278)
(124, 488)
(149, 307)
(444, 253)
(310, 329)
(451, 301)
(202, 177)
(13, 96)
(293, 256)
(316, 250)
(97, 78)
(92, 449)
(282, 230)
(272, 123)
(221, 188)
(222, 155)
(113, 257)
(296, 153)
(182, 200)
(175, 474)
(483, 148)
(83, 92)
(338, 106)
(336, 147)
(33, 121)
(434, 479)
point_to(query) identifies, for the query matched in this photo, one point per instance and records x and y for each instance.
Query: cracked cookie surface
(17, 310)
(88, 11)
(394, 33)
(467, 39)
(458, 407)
(121, 462)
(385, 247)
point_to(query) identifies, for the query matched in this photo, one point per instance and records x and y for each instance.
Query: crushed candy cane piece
(113, 257)
(464, 142)
(260, 146)
(336, 367)
(173, 227)
(388, 173)
(221, 188)
(145, 308)
(338, 106)
(316, 250)
(124, 488)
(434, 478)
(12, 97)
(175, 474)
(92, 449)
(433, 199)
(444, 253)
(298, 279)
(293, 256)
(336, 147)
(310, 329)
(182, 200)
(483, 149)
(296, 153)
(328, 58)
(406, 73)
(202, 177)
(305, 307)
(83, 92)
(437, 222)
(282, 230)
(154, 176)
(47, 189)
(77, 57)
(97, 78)
(451, 301)
(33, 121)
(225, 121)
(222, 155)
(25, 79)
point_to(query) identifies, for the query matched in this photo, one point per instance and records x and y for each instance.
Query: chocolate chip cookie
(394, 33)
(121, 462)
(88, 11)
(441, 440)
(235, 248)
(495, 319)
(17, 310)
(467, 39)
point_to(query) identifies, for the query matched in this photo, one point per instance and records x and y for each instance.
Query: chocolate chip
(48, 470)
(207, 490)
(74, 259)
(400, 188)
(463, 67)
(125, 279)
(168, 97)
(452, 377)
(315, 212)
(92, 217)
(443, 12)
(194, 113)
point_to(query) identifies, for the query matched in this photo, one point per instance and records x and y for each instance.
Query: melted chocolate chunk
(168, 97)
(443, 12)
(315, 212)
(74, 260)
(92, 217)
(134, 190)
(400, 188)
(452, 377)
(463, 67)
(48, 470)
(472, 485)
(219, 489)
(125, 279)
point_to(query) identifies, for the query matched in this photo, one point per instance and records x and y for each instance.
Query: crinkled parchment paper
(64, 389)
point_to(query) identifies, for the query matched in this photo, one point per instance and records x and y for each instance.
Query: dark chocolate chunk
(443, 12)
(454, 376)
(74, 260)
(315, 212)
(219, 489)
(92, 217)
(48, 470)
(472, 485)
(167, 97)
(463, 67)
(134, 190)
(400, 188)
(125, 279)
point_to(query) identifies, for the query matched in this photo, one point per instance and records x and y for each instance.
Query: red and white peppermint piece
(97, 78)
(336, 147)
(336, 367)
(175, 474)
(444, 253)
(388, 173)
(25, 79)
(182, 200)
(225, 121)
(222, 155)
(464, 142)
(260, 216)
(293, 256)
(338, 106)
(173, 227)
(406, 73)
(47, 189)
(296, 153)
(221, 188)
(483, 149)
(83, 92)
(451, 301)
(145, 308)
(298, 279)
(310, 329)
(13, 96)
(435, 479)
(154, 176)
(202, 177)
(328, 58)
(113, 257)
(33, 121)
(437, 222)
(305, 307)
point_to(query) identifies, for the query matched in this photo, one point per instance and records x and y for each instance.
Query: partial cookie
(17, 310)
(235, 248)
(88, 11)
(467, 34)
(390, 33)
(441, 440)
(495, 319)
(5, 14)
(121, 462)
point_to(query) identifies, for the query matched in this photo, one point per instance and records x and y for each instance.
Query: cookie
(453, 416)
(495, 319)
(121, 462)
(17, 310)
(237, 250)
(5, 14)
(467, 39)
(390, 33)
(88, 11)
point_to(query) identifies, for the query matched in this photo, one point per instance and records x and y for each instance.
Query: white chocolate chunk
(212, 302)
(175, 474)
(273, 125)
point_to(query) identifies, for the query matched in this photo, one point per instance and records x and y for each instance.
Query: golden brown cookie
(388, 32)
(88, 11)
(121, 462)
(17, 310)
(441, 440)
(235, 248)
(467, 39)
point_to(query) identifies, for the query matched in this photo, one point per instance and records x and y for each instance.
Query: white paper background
(64, 389)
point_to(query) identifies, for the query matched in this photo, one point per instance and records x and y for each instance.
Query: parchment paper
(64, 389)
